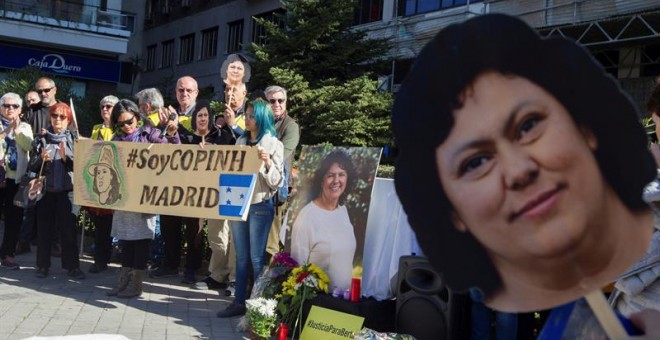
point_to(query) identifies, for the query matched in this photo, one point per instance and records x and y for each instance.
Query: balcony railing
(543, 13)
(70, 15)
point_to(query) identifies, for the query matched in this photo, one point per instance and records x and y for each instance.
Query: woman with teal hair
(250, 236)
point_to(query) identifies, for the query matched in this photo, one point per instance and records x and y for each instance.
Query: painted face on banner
(103, 178)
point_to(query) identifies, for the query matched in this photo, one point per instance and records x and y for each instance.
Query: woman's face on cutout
(235, 72)
(334, 182)
(102, 178)
(519, 173)
(202, 117)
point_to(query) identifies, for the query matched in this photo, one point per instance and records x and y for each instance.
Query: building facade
(194, 37)
(624, 35)
(85, 40)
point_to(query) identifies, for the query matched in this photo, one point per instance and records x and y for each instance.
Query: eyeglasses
(120, 124)
(249, 117)
(107, 106)
(273, 101)
(186, 90)
(60, 117)
(13, 106)
(43, 90)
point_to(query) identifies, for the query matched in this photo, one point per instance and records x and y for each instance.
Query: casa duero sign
(62, 64)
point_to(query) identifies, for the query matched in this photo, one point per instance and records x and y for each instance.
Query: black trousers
(135, 253)
(13, 219)
(102, 239)
(53, 214)
(170, 229)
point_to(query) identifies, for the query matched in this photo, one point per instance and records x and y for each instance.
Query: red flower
(301, 277)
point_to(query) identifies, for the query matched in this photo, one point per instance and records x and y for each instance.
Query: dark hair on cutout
(113, 195)
(345, 162)
(203, 103)
(422, 118)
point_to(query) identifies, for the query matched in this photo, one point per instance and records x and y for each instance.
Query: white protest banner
(181, 180)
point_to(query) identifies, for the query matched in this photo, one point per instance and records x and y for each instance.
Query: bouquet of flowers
(278, 271)
(303, 283)
(261, 316)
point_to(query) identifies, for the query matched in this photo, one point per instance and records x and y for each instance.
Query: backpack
(282, 192)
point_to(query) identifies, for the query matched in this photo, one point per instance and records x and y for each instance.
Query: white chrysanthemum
(262, 306)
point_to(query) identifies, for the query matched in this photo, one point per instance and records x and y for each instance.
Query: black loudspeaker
(425, 308)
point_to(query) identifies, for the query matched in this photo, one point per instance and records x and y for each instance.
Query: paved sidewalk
(58, 305)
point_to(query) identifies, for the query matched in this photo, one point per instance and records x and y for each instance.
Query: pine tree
(329, 69)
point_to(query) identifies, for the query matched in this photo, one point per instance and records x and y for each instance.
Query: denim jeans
(506, 324)
(250, 238)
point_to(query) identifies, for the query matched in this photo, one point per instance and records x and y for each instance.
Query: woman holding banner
(135, 230)
(102, 218)
(507, 168)
(203, 132)
(250, 236)
(53, 157)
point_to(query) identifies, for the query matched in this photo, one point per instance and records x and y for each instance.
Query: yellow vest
(240, 121)
(183, 120)
(105, 133)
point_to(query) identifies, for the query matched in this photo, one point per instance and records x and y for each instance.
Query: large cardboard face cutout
(507, 167)
(235, 70)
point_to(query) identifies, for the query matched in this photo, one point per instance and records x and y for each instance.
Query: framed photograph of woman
(328, 216)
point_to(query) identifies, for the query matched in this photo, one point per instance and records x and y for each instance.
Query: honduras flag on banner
(235, 195)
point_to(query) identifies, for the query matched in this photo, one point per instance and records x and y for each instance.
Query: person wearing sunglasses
(288, 132)
(250, 236)
(186, 95)
(38, 115)
(134, 230)
(52, 156)
(16, 142)
(102, 218)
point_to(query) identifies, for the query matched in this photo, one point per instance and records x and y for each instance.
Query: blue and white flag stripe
(235, 194)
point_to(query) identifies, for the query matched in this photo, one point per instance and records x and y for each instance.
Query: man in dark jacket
(37, 115)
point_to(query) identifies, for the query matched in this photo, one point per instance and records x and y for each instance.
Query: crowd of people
(38, 141)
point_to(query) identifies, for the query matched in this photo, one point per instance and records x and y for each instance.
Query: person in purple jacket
(135, 230)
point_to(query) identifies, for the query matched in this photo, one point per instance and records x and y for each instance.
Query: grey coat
(127, 225)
